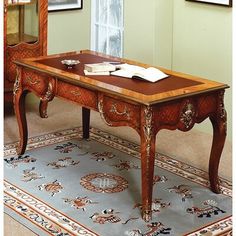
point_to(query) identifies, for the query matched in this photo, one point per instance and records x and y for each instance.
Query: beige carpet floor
(192, 147)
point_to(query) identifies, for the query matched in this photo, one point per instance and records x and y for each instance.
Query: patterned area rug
(64, 185)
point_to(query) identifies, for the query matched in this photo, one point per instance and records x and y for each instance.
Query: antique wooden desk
(177, 102)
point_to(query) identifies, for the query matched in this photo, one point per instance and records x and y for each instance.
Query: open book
(130, 71)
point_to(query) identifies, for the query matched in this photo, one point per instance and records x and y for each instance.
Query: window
(107, 27)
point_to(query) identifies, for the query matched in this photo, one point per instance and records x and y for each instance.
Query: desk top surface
(175, 86)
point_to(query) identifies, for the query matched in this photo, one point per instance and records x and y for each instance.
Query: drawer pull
(123, 113)
(187, 115)
(32, 81)
(76, 93)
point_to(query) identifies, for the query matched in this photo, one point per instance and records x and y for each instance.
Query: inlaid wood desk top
(177, 85)
(177, 102)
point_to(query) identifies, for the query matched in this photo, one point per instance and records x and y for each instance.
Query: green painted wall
(139, 30)
(163, 33)
(148, 31)
(69, 30)
(202, 46)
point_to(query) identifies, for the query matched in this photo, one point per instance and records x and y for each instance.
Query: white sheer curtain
(107, 27)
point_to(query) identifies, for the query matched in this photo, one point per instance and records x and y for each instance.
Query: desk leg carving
(85, 121)
(19, 107)
(49, 95)
(219, 123)
(43, 105)
(147, 161)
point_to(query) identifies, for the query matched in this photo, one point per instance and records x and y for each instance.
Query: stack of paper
(99, 68)
(24, 1)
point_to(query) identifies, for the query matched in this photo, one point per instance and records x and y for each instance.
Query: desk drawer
(82, 96)
(35, 82)
(119, 113)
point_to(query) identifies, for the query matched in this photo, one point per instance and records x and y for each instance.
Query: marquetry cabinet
(25, 35)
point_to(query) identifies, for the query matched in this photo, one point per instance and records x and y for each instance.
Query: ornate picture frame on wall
(62, 5)
(226, 3)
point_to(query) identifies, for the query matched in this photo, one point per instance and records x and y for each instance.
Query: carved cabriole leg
(219, 123)
(85, 121)
(19, 107)
(145, 128)
(147, 160)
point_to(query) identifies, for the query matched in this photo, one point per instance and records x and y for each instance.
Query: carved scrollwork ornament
(222, 111)
(101, 111)
(126, 112)
(44, 114)
(187, 115)
(147, 215)
(49, 94)
(17, 82)
(221, 105)
(148, 128)
(32, 81)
